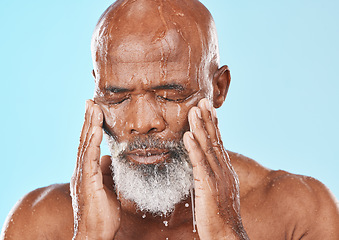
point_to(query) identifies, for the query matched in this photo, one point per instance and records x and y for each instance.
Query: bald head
(156, 30)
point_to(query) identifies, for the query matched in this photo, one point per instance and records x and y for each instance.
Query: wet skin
(155, 78)
(147, 87)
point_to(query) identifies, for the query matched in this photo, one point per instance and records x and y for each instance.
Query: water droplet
(165, 223)
(193, 211)
(144, 216)
(179, 110)
(187, 205)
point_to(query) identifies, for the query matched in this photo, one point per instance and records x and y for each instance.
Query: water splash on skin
(193, 211)
(160, 37)
(75, 192)
(188, 46)
(167, 173)
(177, 12)
(111, 119)
(209, 186)
(179, 110)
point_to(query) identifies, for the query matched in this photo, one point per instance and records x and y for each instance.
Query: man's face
(146, 87)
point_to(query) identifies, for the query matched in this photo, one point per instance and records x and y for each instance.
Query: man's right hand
(95, 207)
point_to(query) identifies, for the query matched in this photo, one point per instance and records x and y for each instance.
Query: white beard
(155, 188)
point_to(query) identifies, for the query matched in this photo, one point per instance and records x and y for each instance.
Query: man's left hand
(217, 201)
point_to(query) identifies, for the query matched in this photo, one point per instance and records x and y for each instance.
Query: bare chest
(149, 231)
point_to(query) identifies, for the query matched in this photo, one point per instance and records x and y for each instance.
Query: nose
(144, 116)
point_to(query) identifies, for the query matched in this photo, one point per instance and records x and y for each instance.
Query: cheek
(176, 115)
(113, 119)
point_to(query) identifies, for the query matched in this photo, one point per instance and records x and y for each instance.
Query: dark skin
(160, 81)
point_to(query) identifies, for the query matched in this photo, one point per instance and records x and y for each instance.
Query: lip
(147, 156)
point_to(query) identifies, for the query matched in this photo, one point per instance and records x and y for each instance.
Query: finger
(93, 117)
(214, 142)
(215, 151)
(91, 155)
(208, 118)
(201, 168)
(89, 149)
(200, 134)
(77, 175)
(93, 139)
(88, 170)
(85, 129)
(86, 125)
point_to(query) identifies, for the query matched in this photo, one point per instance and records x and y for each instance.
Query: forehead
(143, 40)
(157, 58)
(160, 46)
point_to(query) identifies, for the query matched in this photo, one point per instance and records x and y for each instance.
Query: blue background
(282, 108)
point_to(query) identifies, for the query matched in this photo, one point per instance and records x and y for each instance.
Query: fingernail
(198, 113)
(190, 134)
(188, 143)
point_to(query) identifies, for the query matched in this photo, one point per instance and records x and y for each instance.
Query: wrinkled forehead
(156, 57)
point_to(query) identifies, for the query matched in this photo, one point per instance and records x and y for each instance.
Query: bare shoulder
(304, 205)
(45, 213)
(251, 174)
(308, 204)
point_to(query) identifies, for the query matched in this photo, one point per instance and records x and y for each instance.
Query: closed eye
(170, 92)
(114, 99)
(170, 98)
(117, 101)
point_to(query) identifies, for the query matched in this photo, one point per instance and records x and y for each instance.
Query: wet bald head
(156, 30)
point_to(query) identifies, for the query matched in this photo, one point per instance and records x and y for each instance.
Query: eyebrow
(116, 89)
(172, 86)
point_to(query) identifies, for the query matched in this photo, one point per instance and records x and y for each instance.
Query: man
(158, 82)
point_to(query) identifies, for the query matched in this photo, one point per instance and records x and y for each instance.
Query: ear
(221, 83)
